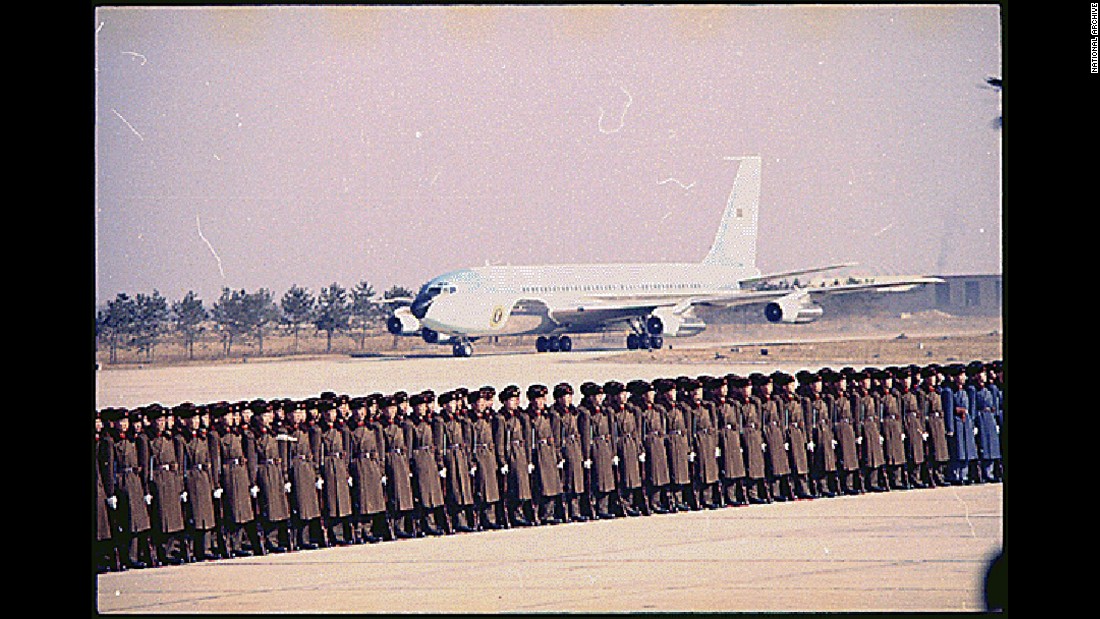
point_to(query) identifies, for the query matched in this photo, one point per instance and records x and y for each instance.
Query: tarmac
(922, 550)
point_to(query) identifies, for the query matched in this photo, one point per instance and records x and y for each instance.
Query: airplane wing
(751, 281)
(878, 284)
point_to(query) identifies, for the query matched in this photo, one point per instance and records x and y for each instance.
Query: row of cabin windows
(599, 287)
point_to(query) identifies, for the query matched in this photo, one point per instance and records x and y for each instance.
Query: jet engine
(793, 308)
(403, 322)
(666, 321)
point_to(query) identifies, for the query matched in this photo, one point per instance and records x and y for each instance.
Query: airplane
(651, 300)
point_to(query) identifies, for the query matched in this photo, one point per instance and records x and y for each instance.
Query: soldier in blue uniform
(983, 409)
(960, 426)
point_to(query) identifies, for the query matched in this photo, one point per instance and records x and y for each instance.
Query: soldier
(775, 440)
(513, 451)
(452, 435)
(677, 443)
(731, 458)
(193, 453)
(572, 455)
(592, 397)
(704, 445)
(267, 472)
(822, 444)
(302, 475)
(835, 386)
(757, 486)
(365, 449)
(231, 485)
(628, 447)
(599, 448)
(869, 437)
(330, 448)
(651, 425)
(545, 456)
(983, 409)
(913, 425)
(995, 372)
(961, 431)
(398, 477)
(484, 463)
(797, 431)
(426, 472)
(893, 447)
(164, 483)
(122, 483)
(106, 559)
(931, 404)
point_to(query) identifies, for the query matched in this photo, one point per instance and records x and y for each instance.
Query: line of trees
(141, 321)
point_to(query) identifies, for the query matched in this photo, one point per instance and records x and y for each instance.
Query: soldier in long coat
(365, 455)
(398, 478)
(822, 443)
(995, 383)
(893, 447)
(797, 433)
(164, 482)
(913, 425)
(330, 447)
(302, 475)
(193, 453)
(451, 431)
(983, 409)
(268, 474)
(592, 397)
(776, 447)
(844, 431)
(677, 443)
(572, 455)
(546, 479)
(628, 447)
(869, 438)
(122, 483)
(231, 485)
(931, 406)
(654, 456)
(961, 430)
(599, 448)
(513, 451)
(703, 456)
(106, 557)
(731, 455)
(484, 463)
(424, 461)
(757, 486)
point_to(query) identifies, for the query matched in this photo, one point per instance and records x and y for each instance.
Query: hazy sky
(272, 146)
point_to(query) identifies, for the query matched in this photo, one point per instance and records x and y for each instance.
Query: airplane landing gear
(462, 349)
(641, 339)
(554, 343)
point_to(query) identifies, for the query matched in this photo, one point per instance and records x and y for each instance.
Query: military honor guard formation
(215, 481)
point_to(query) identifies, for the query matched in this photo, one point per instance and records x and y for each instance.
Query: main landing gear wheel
(553, 343)
(636, 341)
(462, 349)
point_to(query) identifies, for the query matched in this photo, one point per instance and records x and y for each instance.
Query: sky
(265, 147)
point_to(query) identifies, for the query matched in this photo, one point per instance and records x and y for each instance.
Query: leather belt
(171, 466)
(275, 461)
(201, 466)
(235, 461)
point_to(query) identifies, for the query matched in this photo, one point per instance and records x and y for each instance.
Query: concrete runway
(916, 550)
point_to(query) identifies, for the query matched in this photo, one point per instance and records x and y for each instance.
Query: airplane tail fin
(735, 243)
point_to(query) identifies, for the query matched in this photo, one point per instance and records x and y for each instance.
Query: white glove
(614, 460)
(641, 457)
(530, 468)
(320, 483)
(383, 480)
(881, 439)
(504, 469)
(587, 464)
(763, 446)
(717, 452)
(834, 444)
(473, 470)
(254, 491)
(903, 436)
(975, 432)
(183, 496)
(286, 487)
(691, 457)
(561, 464)
(810, 445)
(443, 473)
(351, 482)
(112, 501)
(148, 499)
(218, 493)
(859, 440)
(924, 436)
(787, 446)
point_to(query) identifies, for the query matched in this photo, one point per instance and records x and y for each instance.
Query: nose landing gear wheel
(463, 349)
(565, 343)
